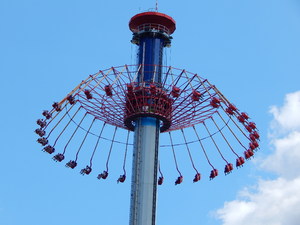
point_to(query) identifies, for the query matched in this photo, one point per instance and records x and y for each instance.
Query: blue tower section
(151, 32)
(151, 55)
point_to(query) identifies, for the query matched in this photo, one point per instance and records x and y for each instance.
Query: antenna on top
(156, 6)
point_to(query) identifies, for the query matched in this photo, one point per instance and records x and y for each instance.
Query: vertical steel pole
(144, 172)
(151, 41)
(146, 141)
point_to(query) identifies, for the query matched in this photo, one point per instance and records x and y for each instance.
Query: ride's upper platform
(152, 20)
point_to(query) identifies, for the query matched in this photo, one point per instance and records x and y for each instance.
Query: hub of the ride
(147, 100)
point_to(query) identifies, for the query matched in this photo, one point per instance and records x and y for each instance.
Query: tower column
(151, 32)
(144, 169)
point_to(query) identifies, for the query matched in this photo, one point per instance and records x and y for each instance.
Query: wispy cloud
(286, 118)
(273, 202)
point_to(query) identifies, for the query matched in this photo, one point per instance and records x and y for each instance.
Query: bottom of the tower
(144, 172)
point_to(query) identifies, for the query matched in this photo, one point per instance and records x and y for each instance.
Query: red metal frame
(118, 99)
(181, 100)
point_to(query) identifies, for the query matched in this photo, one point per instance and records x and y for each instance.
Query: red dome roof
(152, 18)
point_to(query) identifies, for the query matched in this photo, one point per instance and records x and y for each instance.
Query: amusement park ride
(156, 104)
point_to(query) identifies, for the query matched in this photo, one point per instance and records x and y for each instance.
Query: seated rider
(121, 178)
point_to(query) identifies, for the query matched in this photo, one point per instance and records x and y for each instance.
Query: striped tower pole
(151, 32)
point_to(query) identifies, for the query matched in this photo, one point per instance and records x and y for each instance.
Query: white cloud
(286, 158)
(274, 202)
(286, 118)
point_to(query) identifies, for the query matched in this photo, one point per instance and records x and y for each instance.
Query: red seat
(72, 164)
(248, 154)
(232, 107)
(59, 157)
(103, 175)
(240, 161)
(215, 102)
(87, 170)
(213, 174)
(229, 111)
(197, 177)
(41, 123)
(56, 106)
(256, 134)
(49, 149)
(71, 99)
(47, 114)
(252, 125)
(160, 180)
(196, 95)
(108, 90)
(179, 180)
(43, 141)
(88, 94)
(122, 178)
(252, 137)
(245, 115)
(248, 128)
(175, 91)
(228, 168)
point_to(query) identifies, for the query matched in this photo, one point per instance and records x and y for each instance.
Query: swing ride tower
(148, 101)
(151, 32)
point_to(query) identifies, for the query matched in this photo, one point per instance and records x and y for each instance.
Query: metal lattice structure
(148, 100)
(183, 100)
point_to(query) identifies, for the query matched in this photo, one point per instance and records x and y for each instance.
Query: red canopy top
(152, 18)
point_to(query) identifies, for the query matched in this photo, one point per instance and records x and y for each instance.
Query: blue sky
(249, 49)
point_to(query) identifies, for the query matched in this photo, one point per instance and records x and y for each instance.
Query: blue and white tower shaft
(151, 32)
